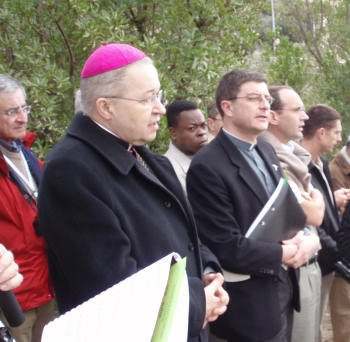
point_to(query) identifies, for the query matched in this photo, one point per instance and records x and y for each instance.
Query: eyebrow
(197, 124)
(151, 91)
(14, 108)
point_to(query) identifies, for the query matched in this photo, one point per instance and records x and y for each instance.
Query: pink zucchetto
(110, 57)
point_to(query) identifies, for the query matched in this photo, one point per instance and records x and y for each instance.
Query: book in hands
(151, 305)
(280, 218)
(170, 315)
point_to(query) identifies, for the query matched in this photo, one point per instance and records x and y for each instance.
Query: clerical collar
(12, 146)
(104, 128)
(122, 142)
(239, 143)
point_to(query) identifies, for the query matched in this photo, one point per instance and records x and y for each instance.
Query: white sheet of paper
(125, 312)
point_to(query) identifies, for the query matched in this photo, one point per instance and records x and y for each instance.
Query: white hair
(78, 106)
(9, 84)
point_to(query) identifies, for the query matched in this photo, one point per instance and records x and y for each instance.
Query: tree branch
(310, 43)
(70, 52)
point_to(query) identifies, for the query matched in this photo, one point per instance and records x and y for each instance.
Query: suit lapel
(167, 179)
(244, 170)
(162, 172)
(271, 164)
(320, 184)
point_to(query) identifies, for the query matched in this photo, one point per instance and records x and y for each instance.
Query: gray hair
(78, 106)
(109, 83)
(9, 84)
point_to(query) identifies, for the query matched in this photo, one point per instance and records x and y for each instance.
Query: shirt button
(167, 204)
(190, 247)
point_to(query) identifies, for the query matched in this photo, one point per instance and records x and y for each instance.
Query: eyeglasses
(13, 112)
(151, 100)
(254, 98)
(297, 109)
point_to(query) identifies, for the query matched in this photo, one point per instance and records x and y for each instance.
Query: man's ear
(274, 118)
(226, 106)
(103, 108)
(172, 131)
(320, 132)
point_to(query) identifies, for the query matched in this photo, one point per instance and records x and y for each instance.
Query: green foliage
(44, 43)
(322, 27)
(287, 64)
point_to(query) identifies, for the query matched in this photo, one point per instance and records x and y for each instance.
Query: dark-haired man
(321, 134)
(228, 183)
(188, 133)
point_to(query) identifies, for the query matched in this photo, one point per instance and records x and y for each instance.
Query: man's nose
(304, 116)
(22, 116)
(158, 107)
(264, 103)
(202, 130)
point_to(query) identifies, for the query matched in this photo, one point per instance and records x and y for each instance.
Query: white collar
(104, 128)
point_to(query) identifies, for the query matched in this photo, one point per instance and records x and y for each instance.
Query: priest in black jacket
(228, 183)
(109, 206)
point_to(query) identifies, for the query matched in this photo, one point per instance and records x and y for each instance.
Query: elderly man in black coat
(109, 206)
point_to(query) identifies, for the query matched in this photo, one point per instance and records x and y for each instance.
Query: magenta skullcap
(110, 57)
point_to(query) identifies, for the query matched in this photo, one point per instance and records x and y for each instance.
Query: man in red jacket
(20, 172)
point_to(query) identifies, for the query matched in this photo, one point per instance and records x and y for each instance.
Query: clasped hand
(298, 250)
(215, 296)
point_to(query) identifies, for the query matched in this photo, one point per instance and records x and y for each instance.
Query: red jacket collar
(29, 139)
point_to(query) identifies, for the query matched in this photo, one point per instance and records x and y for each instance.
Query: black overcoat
(104, 217)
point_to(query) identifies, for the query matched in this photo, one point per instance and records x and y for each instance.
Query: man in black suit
(321, 134)
(228, 183)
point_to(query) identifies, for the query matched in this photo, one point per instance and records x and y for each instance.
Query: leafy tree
(322, 27)
(287, 63)
(44, 44)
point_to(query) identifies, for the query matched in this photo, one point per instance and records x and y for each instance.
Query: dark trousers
(285, 293)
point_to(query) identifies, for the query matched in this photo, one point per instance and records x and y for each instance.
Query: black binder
(281, 217)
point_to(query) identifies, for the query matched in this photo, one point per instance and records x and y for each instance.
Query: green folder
(170, 301)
